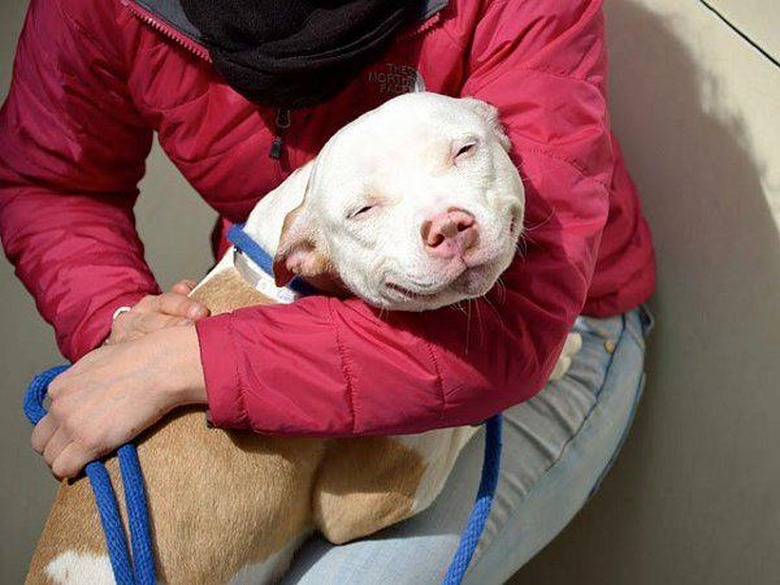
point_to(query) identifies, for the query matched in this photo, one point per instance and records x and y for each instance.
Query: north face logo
(395, 79)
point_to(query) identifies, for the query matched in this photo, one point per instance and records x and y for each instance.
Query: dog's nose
(450, 233)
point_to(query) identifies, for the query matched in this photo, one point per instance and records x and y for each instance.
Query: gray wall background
(695, 495)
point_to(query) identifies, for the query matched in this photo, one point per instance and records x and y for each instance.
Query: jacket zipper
(283, 122)
(168, 31)
(420, 29)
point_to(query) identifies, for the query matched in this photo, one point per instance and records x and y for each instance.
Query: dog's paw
(572, 345)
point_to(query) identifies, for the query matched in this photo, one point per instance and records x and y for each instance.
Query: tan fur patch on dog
(355, 496)
(227, 291)
(70, 526)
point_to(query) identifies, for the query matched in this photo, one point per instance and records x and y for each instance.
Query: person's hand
(114, 393)
(154, 312)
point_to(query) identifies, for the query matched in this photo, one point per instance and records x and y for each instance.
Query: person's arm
(324, 366)
(72, 150)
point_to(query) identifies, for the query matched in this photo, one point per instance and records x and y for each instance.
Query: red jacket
(92, 82)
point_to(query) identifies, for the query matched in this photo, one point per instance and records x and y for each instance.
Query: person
(242, 93)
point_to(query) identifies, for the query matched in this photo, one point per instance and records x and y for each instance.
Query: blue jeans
(557, 448)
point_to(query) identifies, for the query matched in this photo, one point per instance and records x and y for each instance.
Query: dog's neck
(264, 227)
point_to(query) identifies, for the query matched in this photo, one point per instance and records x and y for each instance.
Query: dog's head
(413, 206)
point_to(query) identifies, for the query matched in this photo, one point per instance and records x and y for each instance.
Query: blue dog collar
(255, 252)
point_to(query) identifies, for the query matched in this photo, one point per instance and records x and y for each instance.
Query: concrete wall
(695, 495)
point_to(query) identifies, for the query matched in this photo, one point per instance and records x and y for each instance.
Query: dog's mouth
(468, 282)
(469, 278)
(410, 294)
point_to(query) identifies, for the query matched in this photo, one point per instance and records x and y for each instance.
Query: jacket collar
(171, 14)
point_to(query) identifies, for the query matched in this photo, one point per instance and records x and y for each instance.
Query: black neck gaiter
(296, 53)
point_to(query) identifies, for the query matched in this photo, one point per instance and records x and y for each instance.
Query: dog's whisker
(480, 324)
(532, 227)
(468, 324)
(529, 239)
(522, 247)
(495, 310)
(500, 290)
(459, 307)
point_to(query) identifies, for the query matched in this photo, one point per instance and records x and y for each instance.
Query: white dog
(413, 206)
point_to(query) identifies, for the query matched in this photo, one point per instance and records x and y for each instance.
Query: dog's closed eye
(463, 149)
(360, 211)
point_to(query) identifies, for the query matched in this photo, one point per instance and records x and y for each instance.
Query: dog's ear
(302, 250)
(490, 114)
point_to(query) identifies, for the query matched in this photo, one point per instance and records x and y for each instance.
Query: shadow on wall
(695, 495)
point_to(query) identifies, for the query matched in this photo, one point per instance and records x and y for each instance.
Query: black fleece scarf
(296, 53)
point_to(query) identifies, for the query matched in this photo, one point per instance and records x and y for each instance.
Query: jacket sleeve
(331, 367)
(72, 150)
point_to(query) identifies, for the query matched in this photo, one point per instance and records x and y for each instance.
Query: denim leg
(557, 448)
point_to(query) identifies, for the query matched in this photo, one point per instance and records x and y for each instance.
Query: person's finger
(148, 304)
(58, 441)
(122, 318)
(180, 289)
(42, 433)
(124, 327)
(184, 286)
(181, 306)
(136, 325)
(71, 460)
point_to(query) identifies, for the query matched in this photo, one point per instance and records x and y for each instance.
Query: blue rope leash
(479, 513)
(141, 571)
(137, 515)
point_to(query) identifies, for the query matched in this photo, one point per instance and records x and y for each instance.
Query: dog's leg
(367, 484)
(439, 450)
(571, 346)
(364, 484)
